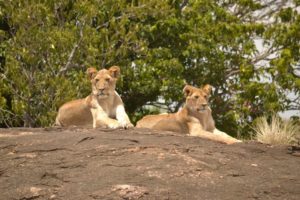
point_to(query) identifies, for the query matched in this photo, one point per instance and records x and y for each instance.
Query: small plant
(277, 131)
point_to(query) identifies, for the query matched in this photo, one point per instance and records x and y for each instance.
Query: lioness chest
(106, 106)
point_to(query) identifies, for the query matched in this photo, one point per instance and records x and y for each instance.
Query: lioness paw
(114, 125)
(129, 125)
(126, 125)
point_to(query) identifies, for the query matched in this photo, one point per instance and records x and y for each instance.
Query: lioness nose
(101, 90)
(204, 105)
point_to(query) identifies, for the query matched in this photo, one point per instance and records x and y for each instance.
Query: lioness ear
(188, 90)
(114, 71)
(207, 88)
(91, 72)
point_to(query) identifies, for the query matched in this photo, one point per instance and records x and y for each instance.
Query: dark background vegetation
(46, 47)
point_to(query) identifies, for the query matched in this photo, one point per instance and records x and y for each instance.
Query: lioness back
(75, 113)
(173, 125)
(162, 122)
(149, 121)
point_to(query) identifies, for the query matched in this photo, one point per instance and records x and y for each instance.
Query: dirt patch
(88, 164)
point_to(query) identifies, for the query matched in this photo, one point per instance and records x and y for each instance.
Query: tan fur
(194, 118)
(102, 108)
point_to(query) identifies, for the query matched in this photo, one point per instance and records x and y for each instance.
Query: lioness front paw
(114, 125)
(126, 125)
(129, 125)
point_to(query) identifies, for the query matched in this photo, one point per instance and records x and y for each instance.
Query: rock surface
(86, 164)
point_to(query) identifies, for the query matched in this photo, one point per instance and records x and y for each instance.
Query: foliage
(276, 131)
(46, 46)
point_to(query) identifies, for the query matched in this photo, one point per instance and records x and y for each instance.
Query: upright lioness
(194, 118)
(102, 108)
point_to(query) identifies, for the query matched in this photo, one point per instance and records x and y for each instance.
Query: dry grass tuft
(277, 132)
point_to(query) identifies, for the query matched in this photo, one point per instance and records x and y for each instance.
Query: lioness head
(197, 98)
(103, 81)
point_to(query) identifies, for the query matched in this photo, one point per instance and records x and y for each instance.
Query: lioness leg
(195, 129)
(100, 119)
(122, 117)
(225, 136)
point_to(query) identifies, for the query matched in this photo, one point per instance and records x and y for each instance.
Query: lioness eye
(205, 96)
(196, 97)
(107, 79)
(96, 80)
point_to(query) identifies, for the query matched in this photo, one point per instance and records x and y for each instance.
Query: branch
(106, 24)
(255, 60)
(265, 54)
(268, 8)
(7, 111)
(292, 108)
(12, 85)
(157, 104)
(6, 120)
(71, 56)
(296, 70)
(183, 4)
(233, 72)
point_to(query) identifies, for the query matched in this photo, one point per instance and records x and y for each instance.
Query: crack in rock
(130, 140)
(47, 175)
(84, 139)
(72, 166)
(8, 146)
(48, 150)
(112, 165)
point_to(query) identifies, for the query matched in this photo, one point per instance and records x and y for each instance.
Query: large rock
(141, 164)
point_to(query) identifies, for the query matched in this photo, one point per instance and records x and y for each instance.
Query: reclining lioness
(102, 108)
(194, 118)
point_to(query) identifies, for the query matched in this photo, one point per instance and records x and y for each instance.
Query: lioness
(102, 108)
(194, 118)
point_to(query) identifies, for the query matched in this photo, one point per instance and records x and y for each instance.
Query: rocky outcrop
(91, 164)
